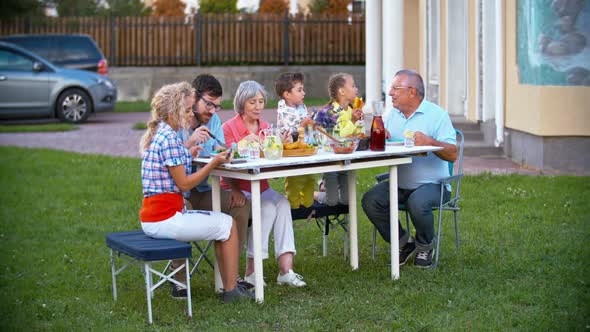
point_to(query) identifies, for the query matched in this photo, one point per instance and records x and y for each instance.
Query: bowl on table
(347, 145)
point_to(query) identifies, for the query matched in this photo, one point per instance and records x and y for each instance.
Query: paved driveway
(112, 134)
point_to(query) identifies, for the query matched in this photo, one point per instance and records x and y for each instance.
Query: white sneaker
(291, 278)
(252, 279)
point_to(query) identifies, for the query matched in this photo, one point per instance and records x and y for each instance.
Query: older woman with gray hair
(276, 212)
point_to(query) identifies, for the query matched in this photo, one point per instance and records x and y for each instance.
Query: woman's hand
(252, 138)
(194, 150)
(222, 158)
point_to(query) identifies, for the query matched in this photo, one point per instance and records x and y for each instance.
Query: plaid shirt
(165, 150)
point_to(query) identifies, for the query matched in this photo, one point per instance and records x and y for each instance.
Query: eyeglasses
(210, 105)
(397, 88)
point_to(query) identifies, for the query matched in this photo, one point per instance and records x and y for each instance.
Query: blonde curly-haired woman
(166, 173)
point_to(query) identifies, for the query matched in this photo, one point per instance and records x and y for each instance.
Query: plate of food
(394, 141)
(299, 149)
(311, 150)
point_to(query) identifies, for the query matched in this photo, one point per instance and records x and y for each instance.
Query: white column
(373, 51)
(499, 73)
(393, 44)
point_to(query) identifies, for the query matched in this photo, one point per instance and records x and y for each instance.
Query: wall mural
(554, 42)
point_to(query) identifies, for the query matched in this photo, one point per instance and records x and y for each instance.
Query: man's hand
(387, 134)
(199, 136)
(420, 139)
(236, 198)
(448, 153)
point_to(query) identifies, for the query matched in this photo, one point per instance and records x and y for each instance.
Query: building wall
(541, 110)
(547, 127)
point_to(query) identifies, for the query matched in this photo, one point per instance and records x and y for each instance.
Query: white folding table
(322, 162)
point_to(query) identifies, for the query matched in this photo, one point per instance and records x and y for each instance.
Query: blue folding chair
(451, 205)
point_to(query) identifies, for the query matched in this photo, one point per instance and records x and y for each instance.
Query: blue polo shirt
(433, 121)
(214, 126)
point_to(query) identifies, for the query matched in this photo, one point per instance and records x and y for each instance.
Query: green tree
(169, 8)
(126, 8)
(77, 7)
(218, 6)
(12, 8)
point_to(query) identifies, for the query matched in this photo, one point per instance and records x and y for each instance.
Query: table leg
(393, 217)
(216, 205)
(352, 216)
(257, 239)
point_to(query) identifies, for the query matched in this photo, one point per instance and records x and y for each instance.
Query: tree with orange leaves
(330, 6)
(273, 6)
(169, 8)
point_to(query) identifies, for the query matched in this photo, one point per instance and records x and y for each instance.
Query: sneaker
(406, 252)
(244, 285)
(251, 279)
(178, 292)
(236, 294)
(291, 278)
(424, 258)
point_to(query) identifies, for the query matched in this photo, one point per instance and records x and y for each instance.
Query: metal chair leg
(188, 288)
(146, 269)
(438, 239)
(326, 230)
(114, 275)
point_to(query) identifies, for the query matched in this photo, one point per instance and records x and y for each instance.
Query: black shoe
(406, 252)
(178, 292)
(236, 294)
(424, 258)
(244, 285)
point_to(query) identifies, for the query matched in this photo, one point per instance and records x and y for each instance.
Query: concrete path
(112, 134)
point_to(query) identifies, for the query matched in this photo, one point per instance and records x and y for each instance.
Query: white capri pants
(192, 225)
(276, 212)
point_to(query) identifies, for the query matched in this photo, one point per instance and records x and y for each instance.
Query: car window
(39, 46)
(13, 61)
(77, 49)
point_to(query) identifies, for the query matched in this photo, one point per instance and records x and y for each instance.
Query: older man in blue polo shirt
(418, 188)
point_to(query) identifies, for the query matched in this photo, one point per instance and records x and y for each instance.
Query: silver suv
(31, 86)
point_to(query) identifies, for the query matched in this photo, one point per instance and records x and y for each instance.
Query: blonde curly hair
(167, 106)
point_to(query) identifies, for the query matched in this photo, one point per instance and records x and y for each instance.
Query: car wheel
(74, 106)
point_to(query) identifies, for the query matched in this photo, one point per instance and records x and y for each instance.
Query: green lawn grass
(144, 106)
(139, 126)
(35, 128)
(523, 263)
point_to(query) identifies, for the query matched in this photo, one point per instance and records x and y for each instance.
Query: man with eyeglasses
(205, 125)
(417, 182)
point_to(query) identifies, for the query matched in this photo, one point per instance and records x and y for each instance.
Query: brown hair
(335, 82)
(286, 81)
(168, 106)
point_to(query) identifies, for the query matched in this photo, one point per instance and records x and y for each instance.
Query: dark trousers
(419, 203)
